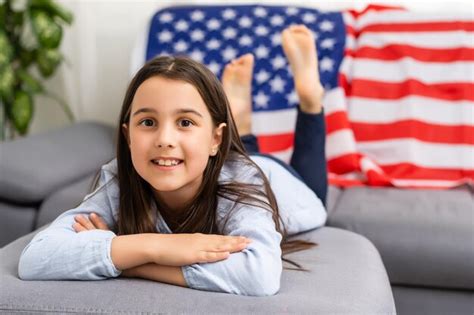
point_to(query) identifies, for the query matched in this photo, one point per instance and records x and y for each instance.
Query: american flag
(389, 118)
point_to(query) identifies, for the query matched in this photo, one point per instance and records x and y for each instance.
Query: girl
(186, 203)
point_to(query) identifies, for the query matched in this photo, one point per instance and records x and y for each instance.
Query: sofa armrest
(33, 167)
(346, 276)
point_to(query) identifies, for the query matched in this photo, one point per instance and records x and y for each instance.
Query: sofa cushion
(66, 198)
(346, 277)
(15, 221)
(425, 237)
(37, 165)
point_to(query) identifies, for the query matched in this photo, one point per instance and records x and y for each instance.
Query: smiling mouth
(168, 163)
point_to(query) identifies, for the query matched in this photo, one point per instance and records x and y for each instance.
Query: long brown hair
(135, 212)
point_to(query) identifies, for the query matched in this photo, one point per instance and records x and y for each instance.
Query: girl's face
(171, 137)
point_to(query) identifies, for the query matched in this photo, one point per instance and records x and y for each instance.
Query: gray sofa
(346, 274)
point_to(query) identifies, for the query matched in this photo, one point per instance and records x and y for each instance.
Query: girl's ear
(218, 132)
(125, 133)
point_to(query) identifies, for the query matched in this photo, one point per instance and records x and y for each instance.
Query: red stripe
(344, 164)
(272, 143)
(396, 52)
(336, 121)
(414, 27)
(373, 7)
(412, 171)
(461, 134)
(384, 90)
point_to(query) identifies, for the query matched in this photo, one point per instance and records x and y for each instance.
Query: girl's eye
(185, 123)
(147, 122)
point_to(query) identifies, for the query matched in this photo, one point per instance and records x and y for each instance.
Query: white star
(197, 35)
(278, 62)
(261, 30)
(328, 43)
(262, 76)
(228, 14)
(166, 17)
(261, 51)
(260, 12)
(245, 40)
(309, 17)
(277, 84)
(292, 11)
(182, 26)
(197, 55)
(213, 24)
(180, 46)
(245, 21)
(197, 15)
(213, 44)
(326, 26)
(165, 36)
(229, 33)
(214, 67)
(229, 53)
(276, 39)
(292, 98)
(261, 100)
(277, 20)
(315, 35)
(326, 64)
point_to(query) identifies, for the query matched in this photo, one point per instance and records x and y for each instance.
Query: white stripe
(340, 143)
(407, 68)
(350, 43)
(348, 18)
(429, 110)
(440, 40)
(391, 17)
(430, 183)
(420, 153)
(274, 122)
(334, 100)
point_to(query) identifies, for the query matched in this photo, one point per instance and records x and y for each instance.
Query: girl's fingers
(84, 222)
(78, 227)
(98, 222)
(214, 256)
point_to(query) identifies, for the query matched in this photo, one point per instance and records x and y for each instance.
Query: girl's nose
(165, 137)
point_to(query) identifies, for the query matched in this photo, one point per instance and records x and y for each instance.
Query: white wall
(99, 44)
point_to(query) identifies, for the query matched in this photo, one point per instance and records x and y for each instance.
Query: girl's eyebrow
(178, 111)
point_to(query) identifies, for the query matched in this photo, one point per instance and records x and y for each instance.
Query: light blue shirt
(59, 253)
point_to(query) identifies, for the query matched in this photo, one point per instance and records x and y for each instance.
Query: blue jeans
(308, 161)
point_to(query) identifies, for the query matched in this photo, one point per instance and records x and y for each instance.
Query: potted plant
(30, 34)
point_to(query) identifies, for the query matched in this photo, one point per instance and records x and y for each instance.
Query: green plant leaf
(53, 8)
(47, 61)
(2, 15)
(6, 49)
(7, 80)
(26, 57)
(47, 31)
(21, 111)
(29, 83)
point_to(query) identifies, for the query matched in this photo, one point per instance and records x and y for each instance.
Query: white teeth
(166, 162)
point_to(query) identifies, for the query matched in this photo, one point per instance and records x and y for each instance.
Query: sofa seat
(346, 277)
(425, 237)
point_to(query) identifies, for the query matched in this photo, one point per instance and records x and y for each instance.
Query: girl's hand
(188, 249)
(92, 222)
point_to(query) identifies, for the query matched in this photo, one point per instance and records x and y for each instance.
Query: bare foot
(237, 82)
(300, 49)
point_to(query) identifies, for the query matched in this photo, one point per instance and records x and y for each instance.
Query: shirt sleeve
(300, 208)
(59, 253)
(254, 271)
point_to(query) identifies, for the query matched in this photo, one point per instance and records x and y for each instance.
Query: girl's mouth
(166, 164)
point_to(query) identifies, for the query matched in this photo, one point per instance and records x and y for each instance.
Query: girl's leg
(309, 158)
(237, 82)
